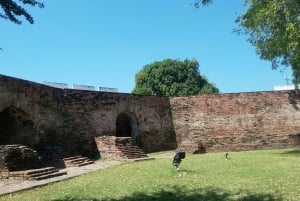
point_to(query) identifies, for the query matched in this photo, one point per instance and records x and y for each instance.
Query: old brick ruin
(46, 118)
(17, 158)
(236, 122)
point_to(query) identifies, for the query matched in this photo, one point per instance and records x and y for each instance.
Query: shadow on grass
(294, 152)
(209, 194)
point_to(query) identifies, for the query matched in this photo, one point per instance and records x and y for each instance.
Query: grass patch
(248, 176)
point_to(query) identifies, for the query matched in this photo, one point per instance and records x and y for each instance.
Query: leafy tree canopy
(273, 28)
(11, 10)
(197, 3)
(172, 78)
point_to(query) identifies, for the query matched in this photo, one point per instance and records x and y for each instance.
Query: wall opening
(126, 126)
(16, 127)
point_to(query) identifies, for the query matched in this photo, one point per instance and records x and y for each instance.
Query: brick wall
(17, 157)
(73, 118)
(241, 121)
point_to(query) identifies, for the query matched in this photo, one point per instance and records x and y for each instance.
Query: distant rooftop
(80, 87)
(284, 87)
(56, 85)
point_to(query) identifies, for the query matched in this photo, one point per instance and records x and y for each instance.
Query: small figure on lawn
(177, 159)
(226, 155)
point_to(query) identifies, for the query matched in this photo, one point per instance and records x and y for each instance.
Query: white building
(285, 87)
(56, 85)
(108, 89)
(83, 87)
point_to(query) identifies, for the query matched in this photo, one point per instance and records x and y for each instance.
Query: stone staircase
(76, 161)
(130, 151)
(58, 156)
(35, 174)
(119, 148)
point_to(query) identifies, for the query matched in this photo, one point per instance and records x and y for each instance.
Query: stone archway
(126, 126)
(16, 127)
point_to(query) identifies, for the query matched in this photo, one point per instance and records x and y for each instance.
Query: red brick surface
(241, 121)
(73, 118)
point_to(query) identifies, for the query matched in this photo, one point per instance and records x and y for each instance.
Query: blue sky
(106, 42)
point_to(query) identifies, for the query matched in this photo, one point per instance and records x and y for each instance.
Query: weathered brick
(40, 115)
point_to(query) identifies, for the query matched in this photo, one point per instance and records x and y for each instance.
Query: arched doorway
(126, 126)
(16, 127)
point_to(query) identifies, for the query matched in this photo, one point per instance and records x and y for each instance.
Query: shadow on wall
(149, 133)
(178, 193)
(293, 96)
(126, 125)
(16, 127)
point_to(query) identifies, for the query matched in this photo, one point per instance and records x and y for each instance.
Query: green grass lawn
(246, 176)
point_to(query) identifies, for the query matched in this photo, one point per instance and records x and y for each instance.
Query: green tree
(273, 28)
(11, 10)
(172, 78)
(199, 2)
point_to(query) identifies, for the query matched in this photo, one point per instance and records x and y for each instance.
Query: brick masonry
(118, 148)
(17, 158)
(38, 115)
(242, 121)
(73, 118)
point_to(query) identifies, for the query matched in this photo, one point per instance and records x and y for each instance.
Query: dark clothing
(177, 158)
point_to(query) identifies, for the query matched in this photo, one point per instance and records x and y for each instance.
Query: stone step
(131, 156)
(85, 163)
(47, 176)
(131, 151)
(134, 155)
(131, 148)
(80, 161)
(36, 174)
(71, 158)
(77, 161)
(27, 173)
(37, 171)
